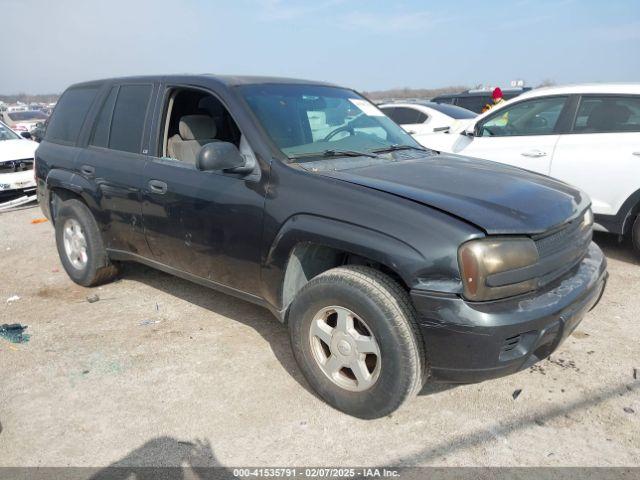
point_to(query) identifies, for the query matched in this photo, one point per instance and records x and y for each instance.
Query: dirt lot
(163, 372)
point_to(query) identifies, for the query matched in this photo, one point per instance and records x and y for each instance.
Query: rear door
(601, 153)
(114, 161)
(523, 134)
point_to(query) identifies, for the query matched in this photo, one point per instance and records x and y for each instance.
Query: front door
(524, 134)
(604, 143)
(207, 224)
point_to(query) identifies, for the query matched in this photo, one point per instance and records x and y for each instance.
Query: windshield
(453, 111)
(304, 120)
(26, 116)
(6, 133)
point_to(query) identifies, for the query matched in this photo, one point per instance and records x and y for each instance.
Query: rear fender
(77, 185)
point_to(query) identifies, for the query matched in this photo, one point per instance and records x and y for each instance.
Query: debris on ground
(148, 322)
(564, 364)
(93, 298)
(14, 332)
(13, 298)
(39, 220)
(539, 422)
(537, 368)
(516, 393)
(17, 202)
(629, 410)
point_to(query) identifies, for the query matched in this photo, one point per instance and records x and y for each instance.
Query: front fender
(373, 245)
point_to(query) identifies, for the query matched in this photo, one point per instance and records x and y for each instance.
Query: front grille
(561, 239)
(16, 165)
(562, 249)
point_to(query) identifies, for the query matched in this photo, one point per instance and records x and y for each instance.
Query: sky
(362, 44)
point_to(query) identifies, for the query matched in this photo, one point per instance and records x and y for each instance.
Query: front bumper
(469, 342)
(15, 187)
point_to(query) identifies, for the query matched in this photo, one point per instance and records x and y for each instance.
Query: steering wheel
(333, 133)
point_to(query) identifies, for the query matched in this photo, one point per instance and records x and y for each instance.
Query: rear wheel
(354, 335)
(80, 245)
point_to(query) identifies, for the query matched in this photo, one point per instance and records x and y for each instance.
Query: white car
(23, 121)
(425, 118)
(17, 184)
(585, 135)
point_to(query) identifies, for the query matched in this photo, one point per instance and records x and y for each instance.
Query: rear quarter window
(69, 115)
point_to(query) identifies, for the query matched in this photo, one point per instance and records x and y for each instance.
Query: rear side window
(608, 114)
(69, 114)
(100, 135)
(404, 115)
(127, 123)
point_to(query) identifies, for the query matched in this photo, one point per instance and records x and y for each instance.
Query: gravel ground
(160, 371)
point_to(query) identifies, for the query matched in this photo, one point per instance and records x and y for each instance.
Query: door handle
(156, 186)
(534, 154)
(88, 170)
(637, 154)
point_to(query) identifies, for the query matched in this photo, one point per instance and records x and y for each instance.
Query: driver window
(533, 117)
(194, 118)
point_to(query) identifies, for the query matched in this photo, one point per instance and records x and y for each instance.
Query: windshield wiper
(334, 153)
(394, 148)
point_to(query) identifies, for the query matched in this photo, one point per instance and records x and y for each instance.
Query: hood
(18, 149)
(497, 198)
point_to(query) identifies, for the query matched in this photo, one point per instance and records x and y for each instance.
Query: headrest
(197, 127)
(607, 116)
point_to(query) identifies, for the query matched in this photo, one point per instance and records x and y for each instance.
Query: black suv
(391, 264)
(476, 100)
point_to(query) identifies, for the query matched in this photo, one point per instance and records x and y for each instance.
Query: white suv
(585, 135)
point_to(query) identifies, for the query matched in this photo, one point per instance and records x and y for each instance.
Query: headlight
(485, 266)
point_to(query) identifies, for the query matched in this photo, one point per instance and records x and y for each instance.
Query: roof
(228, 80)
(604, 88)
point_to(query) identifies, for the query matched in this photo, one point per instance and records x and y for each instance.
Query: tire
(381, 311)
(635, 235)
(93, 267)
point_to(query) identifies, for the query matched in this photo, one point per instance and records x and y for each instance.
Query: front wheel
(355, 337)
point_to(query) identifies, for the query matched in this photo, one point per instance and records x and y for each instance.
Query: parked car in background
(475, 100)
(17, 184)
(585, 135)
(389, 263)
(23, 121)
(423, 118)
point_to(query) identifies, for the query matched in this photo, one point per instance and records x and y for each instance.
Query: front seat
(194, 132)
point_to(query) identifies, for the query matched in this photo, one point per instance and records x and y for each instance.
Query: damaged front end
(17, 183)
(472, 341)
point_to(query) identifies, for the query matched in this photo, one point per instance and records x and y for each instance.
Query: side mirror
(469, 131)
(222, 156)
(26, 135)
